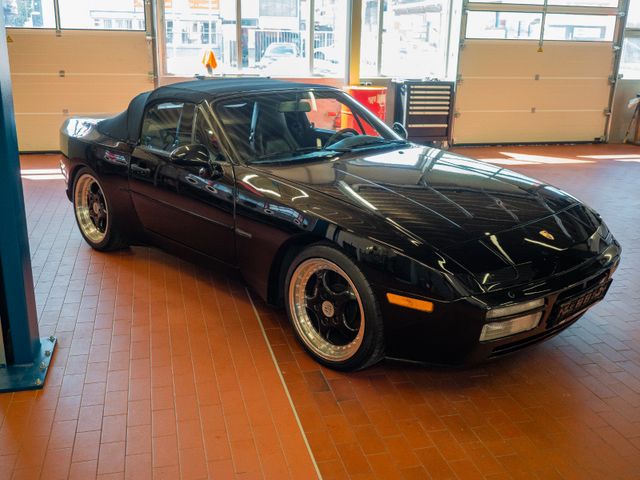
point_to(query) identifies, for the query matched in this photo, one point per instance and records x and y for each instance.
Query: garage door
(73, 73)
(536, 73)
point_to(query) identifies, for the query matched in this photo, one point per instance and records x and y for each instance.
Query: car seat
(272, 133)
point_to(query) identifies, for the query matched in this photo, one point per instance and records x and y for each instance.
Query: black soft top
(126, 125)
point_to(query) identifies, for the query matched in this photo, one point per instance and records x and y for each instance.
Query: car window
(203, 133)
(167, 126)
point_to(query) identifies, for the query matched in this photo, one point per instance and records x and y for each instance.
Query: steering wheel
(343, 131)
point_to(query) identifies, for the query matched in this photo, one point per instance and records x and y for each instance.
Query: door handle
(140, 170)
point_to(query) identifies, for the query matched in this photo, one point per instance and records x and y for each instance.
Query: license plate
(580, 302)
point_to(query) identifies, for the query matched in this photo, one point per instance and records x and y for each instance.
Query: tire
(333, 310)
(94, 214)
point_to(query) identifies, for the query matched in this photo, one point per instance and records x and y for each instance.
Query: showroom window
(85, 15)
(330, 37)
(275, 37)
(511, 2)
(586, 28)
(195, 28)
(550, 20)
(585, 3)
(414, 39)
(568, 3)
(369, 46)
(633, 17)
(504, 25)
(405, 39)
(28, 13)
(102, 14)
(630, 61)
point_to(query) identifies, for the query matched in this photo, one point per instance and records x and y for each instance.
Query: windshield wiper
(383, 142)
(296, 154)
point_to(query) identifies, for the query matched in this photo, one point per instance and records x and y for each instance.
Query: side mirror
(400, 130)
(190, 155)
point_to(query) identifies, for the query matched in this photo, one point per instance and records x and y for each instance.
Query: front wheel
(333, 310)
(93, 214)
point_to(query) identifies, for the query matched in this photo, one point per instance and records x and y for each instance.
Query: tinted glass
(203, 132)
(167, 126)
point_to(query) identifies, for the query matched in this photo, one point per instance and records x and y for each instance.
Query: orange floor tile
(162, 369)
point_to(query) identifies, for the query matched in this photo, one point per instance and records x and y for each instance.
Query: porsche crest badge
(547, 235)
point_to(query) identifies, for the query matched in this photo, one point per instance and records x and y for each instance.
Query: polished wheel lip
(84, 209)
(303, 323)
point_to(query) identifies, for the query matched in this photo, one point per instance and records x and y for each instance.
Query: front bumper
(450, 334)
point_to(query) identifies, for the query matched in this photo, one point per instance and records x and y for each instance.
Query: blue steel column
(15, 260)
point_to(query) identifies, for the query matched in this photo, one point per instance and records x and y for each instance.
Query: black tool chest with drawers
(425, 108)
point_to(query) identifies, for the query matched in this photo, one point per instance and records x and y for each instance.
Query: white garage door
(536, 73)
(75, 73)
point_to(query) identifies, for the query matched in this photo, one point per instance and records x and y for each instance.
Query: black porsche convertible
(375, 246)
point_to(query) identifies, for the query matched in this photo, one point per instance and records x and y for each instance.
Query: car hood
(430, 195)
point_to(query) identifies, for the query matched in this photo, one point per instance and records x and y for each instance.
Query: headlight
(495, 330)
(514, 309)
(513, 325)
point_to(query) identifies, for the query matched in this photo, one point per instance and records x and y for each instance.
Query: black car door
(190, 204)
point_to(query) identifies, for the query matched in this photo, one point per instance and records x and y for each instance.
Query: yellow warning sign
(9, 39)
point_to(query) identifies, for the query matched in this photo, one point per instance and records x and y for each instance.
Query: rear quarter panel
(83, 146)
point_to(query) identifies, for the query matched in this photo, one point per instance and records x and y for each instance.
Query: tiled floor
(162, 368)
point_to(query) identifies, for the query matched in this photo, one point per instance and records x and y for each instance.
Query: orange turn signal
(409, 302)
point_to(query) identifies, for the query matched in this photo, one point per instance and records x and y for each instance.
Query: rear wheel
(93, 214)
(333, 310)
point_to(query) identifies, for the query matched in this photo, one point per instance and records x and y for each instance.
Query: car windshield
(301, 124)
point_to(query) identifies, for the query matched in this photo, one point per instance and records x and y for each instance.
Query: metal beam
(23, 345)
(239, 34)
(354, 26)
